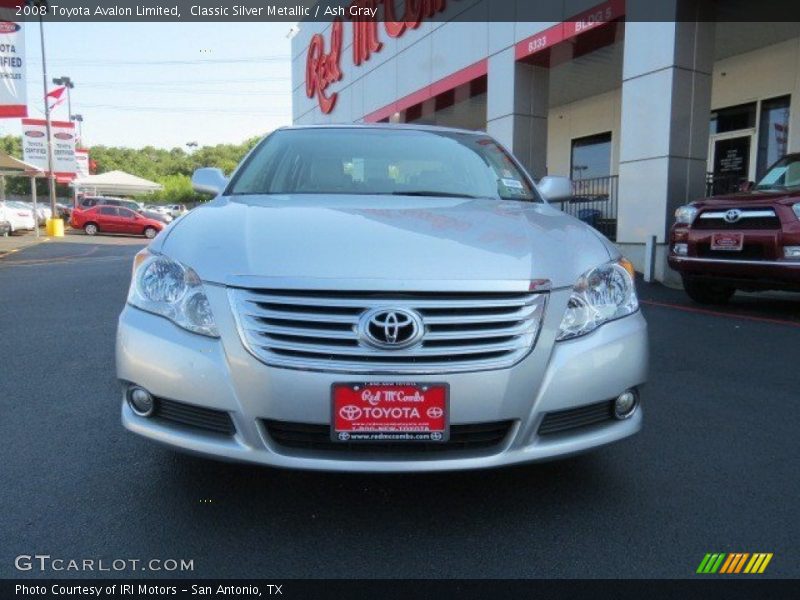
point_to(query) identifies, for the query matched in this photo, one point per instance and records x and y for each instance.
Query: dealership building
(643, 116)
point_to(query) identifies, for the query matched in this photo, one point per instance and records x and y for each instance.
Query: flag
(56, 97)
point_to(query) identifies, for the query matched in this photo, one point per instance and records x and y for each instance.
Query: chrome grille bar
(318, 330)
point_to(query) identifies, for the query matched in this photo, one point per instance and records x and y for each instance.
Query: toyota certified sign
(34, 146)
(13, 91)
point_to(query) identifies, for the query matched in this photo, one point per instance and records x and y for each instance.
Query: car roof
(388, 126)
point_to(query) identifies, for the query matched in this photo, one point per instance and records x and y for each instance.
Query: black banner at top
(409, 11)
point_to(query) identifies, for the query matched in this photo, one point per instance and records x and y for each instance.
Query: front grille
(748, 252)
(751, 218)
(575, 418)
(216, 421)
(318, 330)
(307, 436)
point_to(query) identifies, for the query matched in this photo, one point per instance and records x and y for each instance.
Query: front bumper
(220, 374)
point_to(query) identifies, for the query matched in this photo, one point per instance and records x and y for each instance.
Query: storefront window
(773, 133)
(591, 156)
(733, 118)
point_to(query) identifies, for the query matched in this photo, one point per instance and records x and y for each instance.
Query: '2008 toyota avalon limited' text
(381, 298)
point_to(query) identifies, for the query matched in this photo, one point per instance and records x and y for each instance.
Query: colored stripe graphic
(729, 564)
(711, 563)
(758, 563)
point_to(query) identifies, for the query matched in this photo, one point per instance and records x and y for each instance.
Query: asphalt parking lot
(714, 470)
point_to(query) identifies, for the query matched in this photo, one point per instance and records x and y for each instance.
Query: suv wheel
(90, 229)
(707, 293)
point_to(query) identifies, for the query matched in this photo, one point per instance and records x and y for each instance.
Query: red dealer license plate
(727, 241)
(390, 412)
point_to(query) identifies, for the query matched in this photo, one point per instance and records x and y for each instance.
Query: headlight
(165, 287)
(796, 209)
(601, 295)
(684, 215)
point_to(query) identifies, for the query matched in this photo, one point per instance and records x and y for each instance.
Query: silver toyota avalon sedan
(380, 298)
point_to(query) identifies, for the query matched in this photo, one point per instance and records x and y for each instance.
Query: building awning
(14, 167)
(115, 182)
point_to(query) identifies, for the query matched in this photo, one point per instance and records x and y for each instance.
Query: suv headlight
(684, 215)
(601, 295)
(796, 209)
(168, 288)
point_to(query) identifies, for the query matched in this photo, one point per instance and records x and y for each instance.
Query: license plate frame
(365, 427)
(727, 242)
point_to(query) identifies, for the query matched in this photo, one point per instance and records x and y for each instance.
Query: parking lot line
(717, 313)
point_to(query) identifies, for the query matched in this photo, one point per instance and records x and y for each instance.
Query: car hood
(341, 240)
(751, 198)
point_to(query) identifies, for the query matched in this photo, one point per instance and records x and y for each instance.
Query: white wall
(597, 114)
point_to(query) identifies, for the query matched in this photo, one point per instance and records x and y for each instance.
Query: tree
(171, 168)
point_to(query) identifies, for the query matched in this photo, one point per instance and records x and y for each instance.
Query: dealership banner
(82, 163)
(34, 146)
(13, 93)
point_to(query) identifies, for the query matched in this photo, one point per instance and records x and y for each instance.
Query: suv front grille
(308, 436)
(318, 330)
(750, 218)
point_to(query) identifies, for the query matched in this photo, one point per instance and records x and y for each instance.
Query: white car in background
(42, 211)
(176, 210)
(19, 217)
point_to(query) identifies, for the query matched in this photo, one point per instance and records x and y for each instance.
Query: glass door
(731, 160)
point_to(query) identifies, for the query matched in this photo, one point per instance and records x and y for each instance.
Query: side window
(109, 211)
(125, 213)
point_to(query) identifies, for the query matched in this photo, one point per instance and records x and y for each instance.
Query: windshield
(382, 161)
(784, 174)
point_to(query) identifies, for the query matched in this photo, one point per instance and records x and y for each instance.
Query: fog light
(681, 249)
(791, 252)
(141, 402)
(625, 405)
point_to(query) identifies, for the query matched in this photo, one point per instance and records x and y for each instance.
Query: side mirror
(556, 189)
(209, 180)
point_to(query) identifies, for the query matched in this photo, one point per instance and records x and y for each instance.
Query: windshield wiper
(435, 194)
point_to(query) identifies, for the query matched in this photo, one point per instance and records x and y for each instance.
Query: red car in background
(748, 241)
(114, 219)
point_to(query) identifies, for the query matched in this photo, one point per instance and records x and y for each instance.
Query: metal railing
(594, 201)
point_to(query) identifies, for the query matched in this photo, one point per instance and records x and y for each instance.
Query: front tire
(707, 293)
(150, 233)
(90, 229)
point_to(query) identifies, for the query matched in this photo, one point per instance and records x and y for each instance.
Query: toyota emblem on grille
(391, 328)
(733, 215)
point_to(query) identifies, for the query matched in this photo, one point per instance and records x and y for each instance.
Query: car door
(129, 221)
(108, 219)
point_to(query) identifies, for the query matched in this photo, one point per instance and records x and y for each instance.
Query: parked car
(5, 228)
(18, 217)
(42, 211)
(746, 241)
(90, 201)
(158, 215)
(64, 211)
(176, 210)
(381, 298)
(114, 219)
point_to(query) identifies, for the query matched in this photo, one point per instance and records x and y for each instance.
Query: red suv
(114, 219)
(747, 241)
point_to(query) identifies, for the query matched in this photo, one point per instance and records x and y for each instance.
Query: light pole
(50, 175)
(66, 82)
